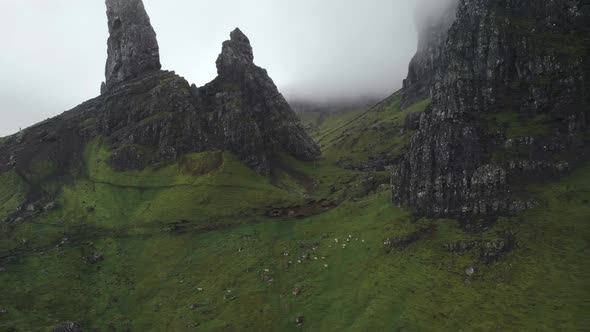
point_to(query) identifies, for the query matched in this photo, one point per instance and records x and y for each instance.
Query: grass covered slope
(188, 246)
(12, 192)
(354, 139)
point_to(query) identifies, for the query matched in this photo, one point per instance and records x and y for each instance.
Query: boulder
(299, 320)
(192, 325)
(95, 258)
(50, 206)
(67, 327)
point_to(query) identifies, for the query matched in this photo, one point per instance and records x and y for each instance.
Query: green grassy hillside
(190, 245)
(354, 137)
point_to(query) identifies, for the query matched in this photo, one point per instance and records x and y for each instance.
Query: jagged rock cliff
(510, 102)
(159, 116)
(256, 118)
(149, 115)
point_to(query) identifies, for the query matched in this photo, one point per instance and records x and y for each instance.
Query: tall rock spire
(256, 120)
(132, 45)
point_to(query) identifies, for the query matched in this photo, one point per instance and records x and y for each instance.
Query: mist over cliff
(319, 51)
(427, 13)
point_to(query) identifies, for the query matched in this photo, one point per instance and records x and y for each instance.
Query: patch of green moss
(197, 188)
(562, 44)
(41, 170)
(556, 42)
(517, 125)
(201, 164)
(90, 122)
(154, 119)
(504, 154)
(12, 193)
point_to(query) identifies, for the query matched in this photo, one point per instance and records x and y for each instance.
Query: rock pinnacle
(132, 45)
(236, 53)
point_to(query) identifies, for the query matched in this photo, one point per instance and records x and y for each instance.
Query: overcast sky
(53, 52)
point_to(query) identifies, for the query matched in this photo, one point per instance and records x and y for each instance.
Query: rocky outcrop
(236, 56)
(67, 327)
(521, 60)
(148, 115)
(402, 242)
(159, 116)
(248, 114)
(489, 251)
(132, 45)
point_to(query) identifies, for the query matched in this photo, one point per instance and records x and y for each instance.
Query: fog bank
(319, 51)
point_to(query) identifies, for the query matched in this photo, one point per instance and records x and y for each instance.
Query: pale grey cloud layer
(54, 51)
(427, 12)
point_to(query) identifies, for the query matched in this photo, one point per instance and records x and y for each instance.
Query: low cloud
(54, 52)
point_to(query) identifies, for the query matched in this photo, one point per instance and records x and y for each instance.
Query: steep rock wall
(504, 65)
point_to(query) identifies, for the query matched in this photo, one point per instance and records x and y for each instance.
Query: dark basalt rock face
(132, 45)
(148, 115)
(256, 119)
(149, 119)
(432, 36)
(236, 55)
(519, 59)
